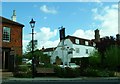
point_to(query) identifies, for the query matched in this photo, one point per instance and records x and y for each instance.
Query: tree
(95, 59)
(112, 57)
(102, 46)
(29, 46)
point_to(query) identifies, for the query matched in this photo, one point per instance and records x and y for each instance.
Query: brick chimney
(13, 17)
(97, 36)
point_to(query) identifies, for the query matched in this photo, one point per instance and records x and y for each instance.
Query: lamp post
(32, 24)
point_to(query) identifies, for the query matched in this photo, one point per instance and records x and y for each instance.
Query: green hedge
(67, 72)
(23, 71)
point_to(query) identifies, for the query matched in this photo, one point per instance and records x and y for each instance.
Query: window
(86, 42)
(94, 44)
(77, 50)
(6, 34)
(86, 51)
(77, 41)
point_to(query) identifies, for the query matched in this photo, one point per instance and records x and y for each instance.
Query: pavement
(7, 78)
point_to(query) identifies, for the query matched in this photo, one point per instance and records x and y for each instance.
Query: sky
(80, 19)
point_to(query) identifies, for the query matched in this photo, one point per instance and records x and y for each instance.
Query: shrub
(92, 72)
(67, 72)
(22, 71)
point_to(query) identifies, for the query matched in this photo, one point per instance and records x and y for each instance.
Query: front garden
(94, 66)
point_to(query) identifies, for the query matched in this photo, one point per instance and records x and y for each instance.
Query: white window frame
(86, 43)
(5, 37)
(77, 41)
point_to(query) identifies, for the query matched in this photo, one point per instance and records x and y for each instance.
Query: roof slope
(5, 20)
(81, 40)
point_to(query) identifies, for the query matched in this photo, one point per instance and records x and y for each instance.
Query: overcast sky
(79, 18)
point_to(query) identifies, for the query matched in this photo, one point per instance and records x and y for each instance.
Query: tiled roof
(81, 40)
(5, 20)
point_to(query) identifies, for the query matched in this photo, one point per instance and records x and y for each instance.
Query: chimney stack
(97, 36)
(13, 17)
(118, 37)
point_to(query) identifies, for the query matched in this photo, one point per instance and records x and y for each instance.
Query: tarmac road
(63, 81)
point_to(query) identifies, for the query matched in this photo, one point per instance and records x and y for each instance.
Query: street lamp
(32, 24)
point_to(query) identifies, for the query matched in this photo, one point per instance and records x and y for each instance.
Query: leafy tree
(112, 57)
(104, 44)
(29, 46)
(40, 57)
(95, 59)
(45, 58)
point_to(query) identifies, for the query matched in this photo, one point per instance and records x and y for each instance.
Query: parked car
(24, 60)
(30, 62)
(73, 65)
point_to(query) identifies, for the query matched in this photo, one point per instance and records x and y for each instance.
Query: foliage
(40, 57)
(45, 58)
(94, 59)
(18, 60)
(93, 72)
(48, 65)
(112, 57)
(22, 71)
(66, 72)
(104, 44)
(29, 46)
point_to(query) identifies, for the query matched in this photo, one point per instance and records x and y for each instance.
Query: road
(81, 81)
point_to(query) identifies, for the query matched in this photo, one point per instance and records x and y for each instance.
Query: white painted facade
(49, 53)
(78, 52)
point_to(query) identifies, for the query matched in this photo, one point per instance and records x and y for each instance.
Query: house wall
(58, 51)
(82, 51)
(15, 40)
(48, 53)
(67, 57)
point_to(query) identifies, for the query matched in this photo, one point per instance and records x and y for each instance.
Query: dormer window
(86, 42)
(6, 34)
(77, 41)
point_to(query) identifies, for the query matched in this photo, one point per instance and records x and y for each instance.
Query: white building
(48, 51)
(74, 47)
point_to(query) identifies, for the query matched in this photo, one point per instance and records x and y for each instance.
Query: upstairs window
(86, 42)
(77, 41)
(6, 34)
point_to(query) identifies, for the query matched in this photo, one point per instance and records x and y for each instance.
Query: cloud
(43, 36)
(46, 9)
(25, 43)
(88, 34)
(108, 18)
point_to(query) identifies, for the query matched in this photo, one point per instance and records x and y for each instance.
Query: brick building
(11, 41)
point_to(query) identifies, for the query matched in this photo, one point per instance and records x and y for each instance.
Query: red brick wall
(15, 38)
(0, 35)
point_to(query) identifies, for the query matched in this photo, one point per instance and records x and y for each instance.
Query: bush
(67, 72)
(23, 71)
(91, 72)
